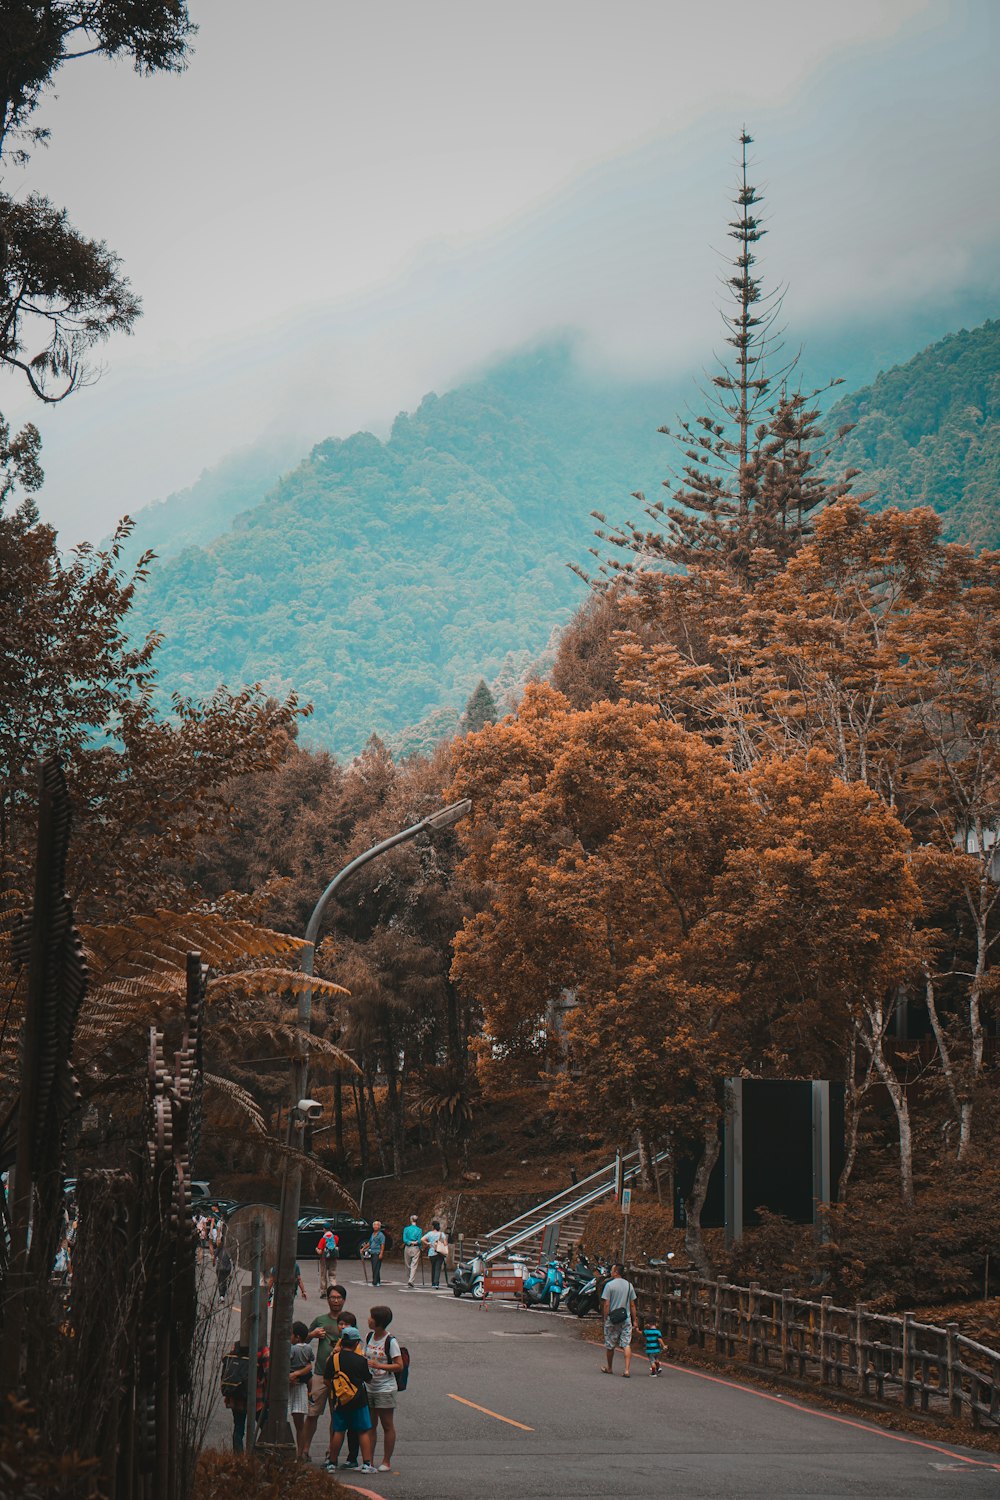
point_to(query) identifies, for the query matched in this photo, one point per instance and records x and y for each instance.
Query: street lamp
(291, 1175)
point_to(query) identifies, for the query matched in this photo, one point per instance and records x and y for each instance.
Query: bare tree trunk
(693, 1206)
(361, 1114)
(645, 1171)
(377, 1124)
(394, 1095)
(986, 899)
(338, 1115)
(897, 1093)
(947, 1066)
(853, 1105)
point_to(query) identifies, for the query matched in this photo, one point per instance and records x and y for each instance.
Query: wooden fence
(893, 1359)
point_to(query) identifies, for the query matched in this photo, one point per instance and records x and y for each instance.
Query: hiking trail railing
(893, 1359)
(565, 1204)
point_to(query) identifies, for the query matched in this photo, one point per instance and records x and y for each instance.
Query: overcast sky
(338, 207)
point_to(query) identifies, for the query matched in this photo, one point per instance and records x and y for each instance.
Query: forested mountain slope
(195, 516)
(928, 433)
(382, 580)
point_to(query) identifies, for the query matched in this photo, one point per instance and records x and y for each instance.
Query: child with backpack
(328, 1255)
(346, 1372)
(386, 1362)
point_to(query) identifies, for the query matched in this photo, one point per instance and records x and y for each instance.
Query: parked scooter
(576, 1280)
(470, 1277)
(544, 1287)
(589, 1297)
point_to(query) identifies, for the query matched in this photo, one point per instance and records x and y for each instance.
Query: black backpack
(235, 1371)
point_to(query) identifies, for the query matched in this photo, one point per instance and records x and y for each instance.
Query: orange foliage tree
(880, 644)
(701, 921)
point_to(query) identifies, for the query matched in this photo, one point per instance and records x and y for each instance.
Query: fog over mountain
(878, 212)
(382, 580)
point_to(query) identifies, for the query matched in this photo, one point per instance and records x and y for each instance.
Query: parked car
(351, 1232)
(223, 1206)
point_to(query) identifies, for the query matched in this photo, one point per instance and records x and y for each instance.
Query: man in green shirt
(325, 1329)
(412, 1236)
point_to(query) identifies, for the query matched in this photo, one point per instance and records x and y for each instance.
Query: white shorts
(298, 1397)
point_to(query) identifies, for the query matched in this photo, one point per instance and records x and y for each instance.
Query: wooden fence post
(786, 1296)
(907, 1359)
(860, 1353)
(824, 1333)
(953, 1377)
(753, 1324)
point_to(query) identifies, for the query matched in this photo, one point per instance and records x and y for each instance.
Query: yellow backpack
(344, 1388)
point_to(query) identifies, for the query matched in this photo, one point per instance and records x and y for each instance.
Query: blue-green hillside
(383, 579)
(928, 433)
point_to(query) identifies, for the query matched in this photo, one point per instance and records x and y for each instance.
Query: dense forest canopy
(928, 433)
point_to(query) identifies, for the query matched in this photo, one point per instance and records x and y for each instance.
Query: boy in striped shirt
(652, 1340)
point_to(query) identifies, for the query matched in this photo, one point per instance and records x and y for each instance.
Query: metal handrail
(573, 1188)
(585, 1201)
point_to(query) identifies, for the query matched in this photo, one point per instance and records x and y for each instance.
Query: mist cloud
(877, 197)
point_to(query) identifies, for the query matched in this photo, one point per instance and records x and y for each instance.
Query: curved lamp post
(291, 1175)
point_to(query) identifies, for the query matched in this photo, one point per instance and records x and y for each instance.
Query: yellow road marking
(485, 1409)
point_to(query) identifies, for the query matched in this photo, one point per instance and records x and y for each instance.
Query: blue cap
(351, 1335)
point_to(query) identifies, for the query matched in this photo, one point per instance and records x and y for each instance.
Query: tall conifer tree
(750, 477)
(480, 710)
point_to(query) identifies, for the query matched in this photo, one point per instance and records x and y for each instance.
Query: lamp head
(446, 816)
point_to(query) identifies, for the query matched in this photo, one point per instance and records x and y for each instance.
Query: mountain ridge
(382, 578)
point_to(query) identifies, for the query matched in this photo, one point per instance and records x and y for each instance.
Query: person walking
(223, 1270)
(652, 1343)
(412, 1236)
(432, 1239)
(272, 1276)
(385, 1359)
(376, 1249)
(328, 1255)
(443, 1250)
(618, 1304)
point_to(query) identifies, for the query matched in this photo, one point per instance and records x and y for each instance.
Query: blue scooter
(544, 1288)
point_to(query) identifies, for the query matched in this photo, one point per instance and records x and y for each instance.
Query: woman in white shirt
(433, 1240)
(385, 1359)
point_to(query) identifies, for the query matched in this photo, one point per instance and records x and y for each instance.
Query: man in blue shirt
(376, 1249)
(412, 1236)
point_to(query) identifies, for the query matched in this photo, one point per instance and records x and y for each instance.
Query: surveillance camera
(310, 1109)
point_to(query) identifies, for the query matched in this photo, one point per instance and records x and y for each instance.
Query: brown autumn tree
(387, 936)
(391, 935)
(877, 642)
(70, 681)
(598, 835)
(952, 790)
(814, 926)
(701, 922)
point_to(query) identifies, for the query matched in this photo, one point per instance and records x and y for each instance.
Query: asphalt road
(511, 1404)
